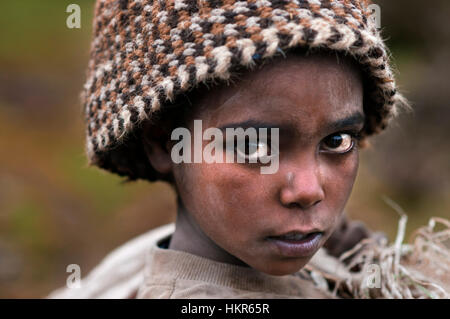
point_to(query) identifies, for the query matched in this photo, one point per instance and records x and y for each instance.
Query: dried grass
(376, 269)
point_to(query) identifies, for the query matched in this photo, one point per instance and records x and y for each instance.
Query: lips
(293, 236)
(296, 244)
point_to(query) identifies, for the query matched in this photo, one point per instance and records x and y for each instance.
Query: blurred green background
(55, 211)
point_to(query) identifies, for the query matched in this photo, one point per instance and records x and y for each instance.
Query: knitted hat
(145, 53)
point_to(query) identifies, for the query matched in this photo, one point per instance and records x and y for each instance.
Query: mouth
(297, 244)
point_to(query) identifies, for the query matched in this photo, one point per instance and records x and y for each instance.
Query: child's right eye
(252, 152)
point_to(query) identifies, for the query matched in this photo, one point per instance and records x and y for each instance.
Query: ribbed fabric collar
(169, 264)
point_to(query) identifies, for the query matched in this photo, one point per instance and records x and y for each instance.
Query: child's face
(317, 104)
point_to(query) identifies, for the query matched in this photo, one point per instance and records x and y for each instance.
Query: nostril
(317, 202)
(294, 205)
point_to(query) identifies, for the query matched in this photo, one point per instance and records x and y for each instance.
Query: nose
(303, 186)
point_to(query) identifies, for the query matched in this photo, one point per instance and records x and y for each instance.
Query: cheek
(225, 195)
(339, 177)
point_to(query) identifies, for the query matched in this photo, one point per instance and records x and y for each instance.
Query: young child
(314, 74)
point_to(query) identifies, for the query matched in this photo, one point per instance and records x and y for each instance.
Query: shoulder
(120, 273)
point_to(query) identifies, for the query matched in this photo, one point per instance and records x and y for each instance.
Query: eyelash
(268, 143)
(356, 135)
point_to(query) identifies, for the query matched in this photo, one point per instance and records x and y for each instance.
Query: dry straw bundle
(376, 269)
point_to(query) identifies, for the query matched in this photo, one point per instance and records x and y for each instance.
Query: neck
(188, 237)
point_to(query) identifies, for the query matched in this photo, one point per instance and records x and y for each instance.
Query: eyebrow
(254, 124)
(352, 120)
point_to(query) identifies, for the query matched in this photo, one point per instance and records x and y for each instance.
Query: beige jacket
(142, 269)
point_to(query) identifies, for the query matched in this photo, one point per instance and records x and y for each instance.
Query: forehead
(304, 91)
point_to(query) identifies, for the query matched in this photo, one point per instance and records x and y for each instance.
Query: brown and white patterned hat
(145, 53)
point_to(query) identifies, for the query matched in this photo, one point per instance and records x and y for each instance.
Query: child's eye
(338, 143)
(251, 151)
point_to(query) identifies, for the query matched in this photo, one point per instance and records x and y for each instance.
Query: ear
(157, 148)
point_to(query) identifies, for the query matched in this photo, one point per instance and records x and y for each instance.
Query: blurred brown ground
(56, 211)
